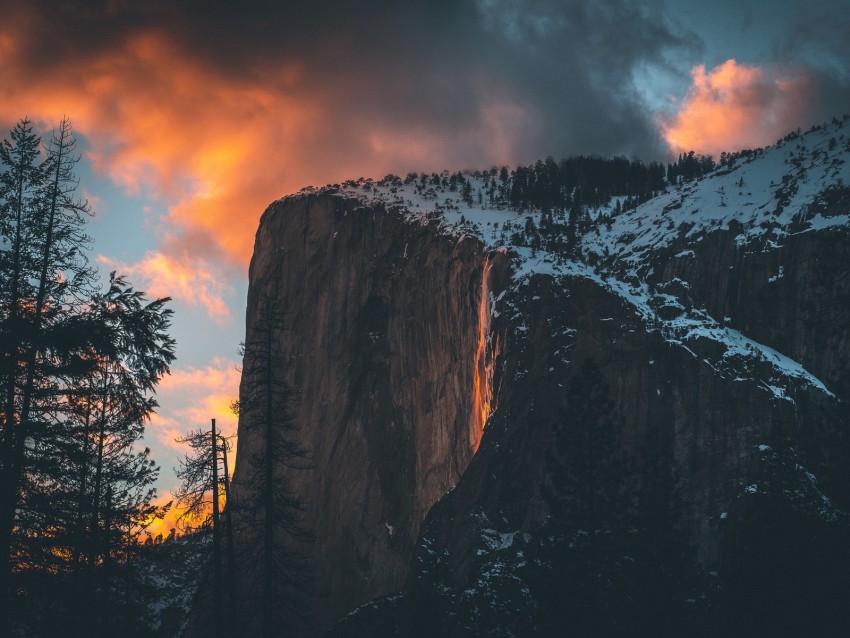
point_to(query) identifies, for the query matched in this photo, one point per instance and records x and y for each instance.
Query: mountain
(615, 419)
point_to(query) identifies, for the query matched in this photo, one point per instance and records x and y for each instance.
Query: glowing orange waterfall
(482, 396)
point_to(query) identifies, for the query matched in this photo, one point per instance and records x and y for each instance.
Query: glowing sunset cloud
(200, 142)
(211, 389)
(191, 280)
(173, 519)
(215, 148)
(199, 394)
(736, 106)
(163, 525)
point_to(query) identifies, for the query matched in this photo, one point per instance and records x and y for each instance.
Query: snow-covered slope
(762, 194)
(761, 191)
(797, 186)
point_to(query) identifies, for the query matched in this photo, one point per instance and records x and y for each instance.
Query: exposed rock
(381, 332)
(665, 408)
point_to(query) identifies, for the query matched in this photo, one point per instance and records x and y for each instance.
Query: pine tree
(21, 192)
(202, 489)
(586, 492)
(89, 483)
(44, 262)
(78, 367)
(274, 529)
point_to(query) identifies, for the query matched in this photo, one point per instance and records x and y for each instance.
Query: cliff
(663, 404)
(381, 332)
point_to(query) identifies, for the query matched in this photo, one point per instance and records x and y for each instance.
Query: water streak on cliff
(485, 356)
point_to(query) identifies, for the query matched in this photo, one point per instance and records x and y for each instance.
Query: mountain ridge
(708, 325)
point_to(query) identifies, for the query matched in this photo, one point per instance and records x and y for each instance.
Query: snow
(763, 198)
(750, 198)
(738, 346)
(745, 194)
(497, 540)
(779, 275)
(819, 222)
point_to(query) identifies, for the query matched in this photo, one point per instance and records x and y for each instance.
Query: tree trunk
(98, 472)
(12, 431)
(217, 578)
(107, 533)
(79, 533)
(228, 526)
(14, 465)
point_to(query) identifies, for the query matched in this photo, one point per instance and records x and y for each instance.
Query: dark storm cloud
(819, 41)
(436, 66)
(577, 59)
(212, 109)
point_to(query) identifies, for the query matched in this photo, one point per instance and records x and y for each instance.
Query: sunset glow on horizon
(174, 521)
(212, 388)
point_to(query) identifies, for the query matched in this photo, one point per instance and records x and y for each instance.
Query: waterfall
(485, 357)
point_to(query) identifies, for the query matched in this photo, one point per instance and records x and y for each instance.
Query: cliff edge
(522, 422)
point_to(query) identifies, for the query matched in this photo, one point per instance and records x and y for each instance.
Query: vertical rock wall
(381, 340)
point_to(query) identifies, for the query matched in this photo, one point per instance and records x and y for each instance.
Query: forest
(575, 182)
(80, 356)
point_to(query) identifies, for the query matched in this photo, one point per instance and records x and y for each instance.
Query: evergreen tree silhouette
(274, 534)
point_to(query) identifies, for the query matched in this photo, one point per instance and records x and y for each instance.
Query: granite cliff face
(381, 341)
(665, 404)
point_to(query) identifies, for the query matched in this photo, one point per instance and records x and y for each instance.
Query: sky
(192, 116)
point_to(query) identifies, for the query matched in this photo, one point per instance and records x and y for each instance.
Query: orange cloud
(214, 147)
(736, 106)
(163, 525)
(212, 390)
(192, 280)
(195, 395)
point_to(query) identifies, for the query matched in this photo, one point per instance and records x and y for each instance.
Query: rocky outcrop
(792, 297)
(705, 461)
(381, 343)
(663, 404)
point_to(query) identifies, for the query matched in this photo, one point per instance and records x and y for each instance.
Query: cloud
(172, 518)
(192, 280)
(736, 106)
(215, 109)
(213, 149)
(194, 396)
(197, 395)
(163, 525)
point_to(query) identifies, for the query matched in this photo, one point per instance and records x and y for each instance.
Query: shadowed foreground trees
(271, 540)
(615, 556)
(272, 529)
(205, 482)
(78, 366)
